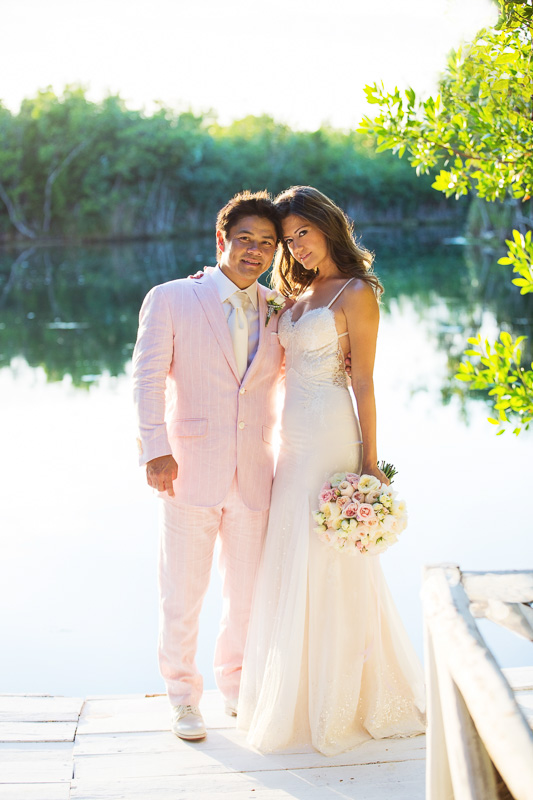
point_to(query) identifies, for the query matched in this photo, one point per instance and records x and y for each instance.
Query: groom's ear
(221, 241)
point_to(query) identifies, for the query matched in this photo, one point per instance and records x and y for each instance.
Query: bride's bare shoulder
(359, 297)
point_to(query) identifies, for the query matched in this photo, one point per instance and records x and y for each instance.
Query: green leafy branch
(498, 367)
(476, 133)
(520, 255)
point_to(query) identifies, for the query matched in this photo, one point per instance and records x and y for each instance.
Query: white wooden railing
(480, 743)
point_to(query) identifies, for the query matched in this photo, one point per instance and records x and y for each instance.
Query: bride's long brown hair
(291, 278)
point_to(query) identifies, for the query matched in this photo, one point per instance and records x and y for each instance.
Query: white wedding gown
(327, 661)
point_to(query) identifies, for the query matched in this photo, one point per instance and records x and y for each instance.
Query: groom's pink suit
(191, 403)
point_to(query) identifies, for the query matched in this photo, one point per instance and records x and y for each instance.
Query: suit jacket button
(242, 391)
(241, 425)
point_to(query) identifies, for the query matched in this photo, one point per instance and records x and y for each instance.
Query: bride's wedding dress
(327, 660)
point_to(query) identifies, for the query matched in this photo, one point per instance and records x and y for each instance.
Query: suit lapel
(207, 294)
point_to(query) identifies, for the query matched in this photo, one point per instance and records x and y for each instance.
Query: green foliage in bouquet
(389, 469)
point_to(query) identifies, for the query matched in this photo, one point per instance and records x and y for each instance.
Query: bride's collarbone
(314, 300)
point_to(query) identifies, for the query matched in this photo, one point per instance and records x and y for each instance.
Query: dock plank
(221, 752)
(40, 708)
(404, 780)
(37, 731)
(36, 763)
(35, 791)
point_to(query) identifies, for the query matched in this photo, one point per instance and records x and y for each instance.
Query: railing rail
(480, 745)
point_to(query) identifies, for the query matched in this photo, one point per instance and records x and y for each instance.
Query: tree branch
(13, 218)
(47, 208)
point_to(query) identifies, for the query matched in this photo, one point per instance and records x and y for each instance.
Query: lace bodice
(312, 347)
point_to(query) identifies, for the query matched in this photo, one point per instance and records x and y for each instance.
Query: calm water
(78, 524)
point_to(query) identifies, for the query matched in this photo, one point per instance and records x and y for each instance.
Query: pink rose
(371, 497)
(326, 496)
(350, 510)
(326, 487)
(359, 496)
(353, 478)
(342, 501)
(365, 513)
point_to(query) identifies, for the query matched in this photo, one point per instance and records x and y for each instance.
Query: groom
(205, 372)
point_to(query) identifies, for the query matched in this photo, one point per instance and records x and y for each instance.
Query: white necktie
(238, 328)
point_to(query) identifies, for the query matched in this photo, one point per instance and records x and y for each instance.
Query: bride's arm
(362, 316)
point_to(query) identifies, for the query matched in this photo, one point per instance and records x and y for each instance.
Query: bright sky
(302, 61)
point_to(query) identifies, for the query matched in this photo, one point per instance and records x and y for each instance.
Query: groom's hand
(348, 364)
(160, 472)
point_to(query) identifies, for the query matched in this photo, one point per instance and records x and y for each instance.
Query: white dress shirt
(225, 289)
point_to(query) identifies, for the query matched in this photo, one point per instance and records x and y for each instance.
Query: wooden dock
(120, 748)
(56, 748)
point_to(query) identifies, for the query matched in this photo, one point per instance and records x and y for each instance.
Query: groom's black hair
(247, 204)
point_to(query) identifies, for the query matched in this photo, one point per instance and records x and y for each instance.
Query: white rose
(388, 524)
(275, 298)
(368, 483)
(399, 508)
(339, 477)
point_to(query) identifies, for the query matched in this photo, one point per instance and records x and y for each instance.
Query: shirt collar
(226, 288)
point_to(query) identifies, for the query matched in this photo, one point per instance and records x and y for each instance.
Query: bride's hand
(378, 473)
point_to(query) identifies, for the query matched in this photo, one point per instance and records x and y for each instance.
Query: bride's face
(306, 242)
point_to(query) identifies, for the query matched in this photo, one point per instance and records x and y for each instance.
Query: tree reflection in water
(74, 310)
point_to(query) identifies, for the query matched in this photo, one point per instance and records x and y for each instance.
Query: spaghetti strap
(342, 334)
(339, 292)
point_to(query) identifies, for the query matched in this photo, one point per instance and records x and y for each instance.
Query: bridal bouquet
(359, 513)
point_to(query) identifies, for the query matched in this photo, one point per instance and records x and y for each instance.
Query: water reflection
(74, 310)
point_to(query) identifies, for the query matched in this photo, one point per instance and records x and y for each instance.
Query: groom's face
(247, 249)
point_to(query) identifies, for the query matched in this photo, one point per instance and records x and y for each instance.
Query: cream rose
(334, 512)
(369, 483)
(346, 489)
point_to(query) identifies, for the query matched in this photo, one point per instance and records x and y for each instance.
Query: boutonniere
(275, 302)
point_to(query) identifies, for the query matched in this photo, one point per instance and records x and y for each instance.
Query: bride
(327, 660)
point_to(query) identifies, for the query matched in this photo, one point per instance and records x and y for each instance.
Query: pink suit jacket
(190, 401)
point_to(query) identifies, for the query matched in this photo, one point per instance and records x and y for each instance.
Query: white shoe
(188, 723)
(231, 708)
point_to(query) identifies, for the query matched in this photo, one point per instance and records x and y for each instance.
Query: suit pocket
(189, 427)
(267, 434)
